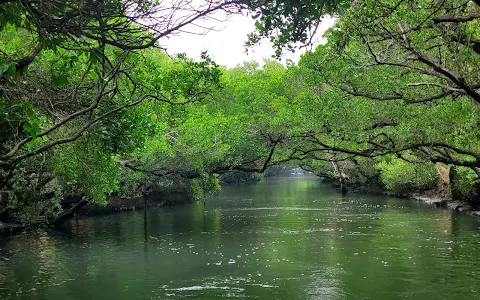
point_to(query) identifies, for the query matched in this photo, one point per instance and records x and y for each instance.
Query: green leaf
(32, 128)
(59, 79)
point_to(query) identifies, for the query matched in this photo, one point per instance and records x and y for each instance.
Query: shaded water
(280, 239)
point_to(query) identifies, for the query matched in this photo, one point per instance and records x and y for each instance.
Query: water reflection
(281, 239)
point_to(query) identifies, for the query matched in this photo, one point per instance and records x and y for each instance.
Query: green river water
(291, 238)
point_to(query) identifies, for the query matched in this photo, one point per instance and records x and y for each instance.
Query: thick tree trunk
(68, 214)
(476, 199)
(343, 183)
(456, 195)
(27, 60)
(342, 177)
(4, 212)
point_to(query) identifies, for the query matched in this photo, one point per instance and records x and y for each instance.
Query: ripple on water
(206, 287)
(218, 286)
(278, 208)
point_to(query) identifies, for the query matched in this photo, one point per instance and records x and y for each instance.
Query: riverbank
(118, 203)
(429, 197)
(76, 206)
(460, 206)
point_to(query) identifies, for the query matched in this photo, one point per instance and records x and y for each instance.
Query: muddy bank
(430, 197)
(117, 203)
(461, 206)
(77, 206)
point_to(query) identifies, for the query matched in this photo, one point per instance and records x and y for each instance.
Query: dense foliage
(90, 106)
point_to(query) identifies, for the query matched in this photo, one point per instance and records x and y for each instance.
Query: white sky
(226, 45)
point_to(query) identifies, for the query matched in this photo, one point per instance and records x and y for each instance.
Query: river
(292, 238)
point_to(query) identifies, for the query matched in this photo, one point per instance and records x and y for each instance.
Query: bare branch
(458, 19)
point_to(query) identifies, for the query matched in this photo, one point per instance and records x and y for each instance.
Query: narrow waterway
(291, 238)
